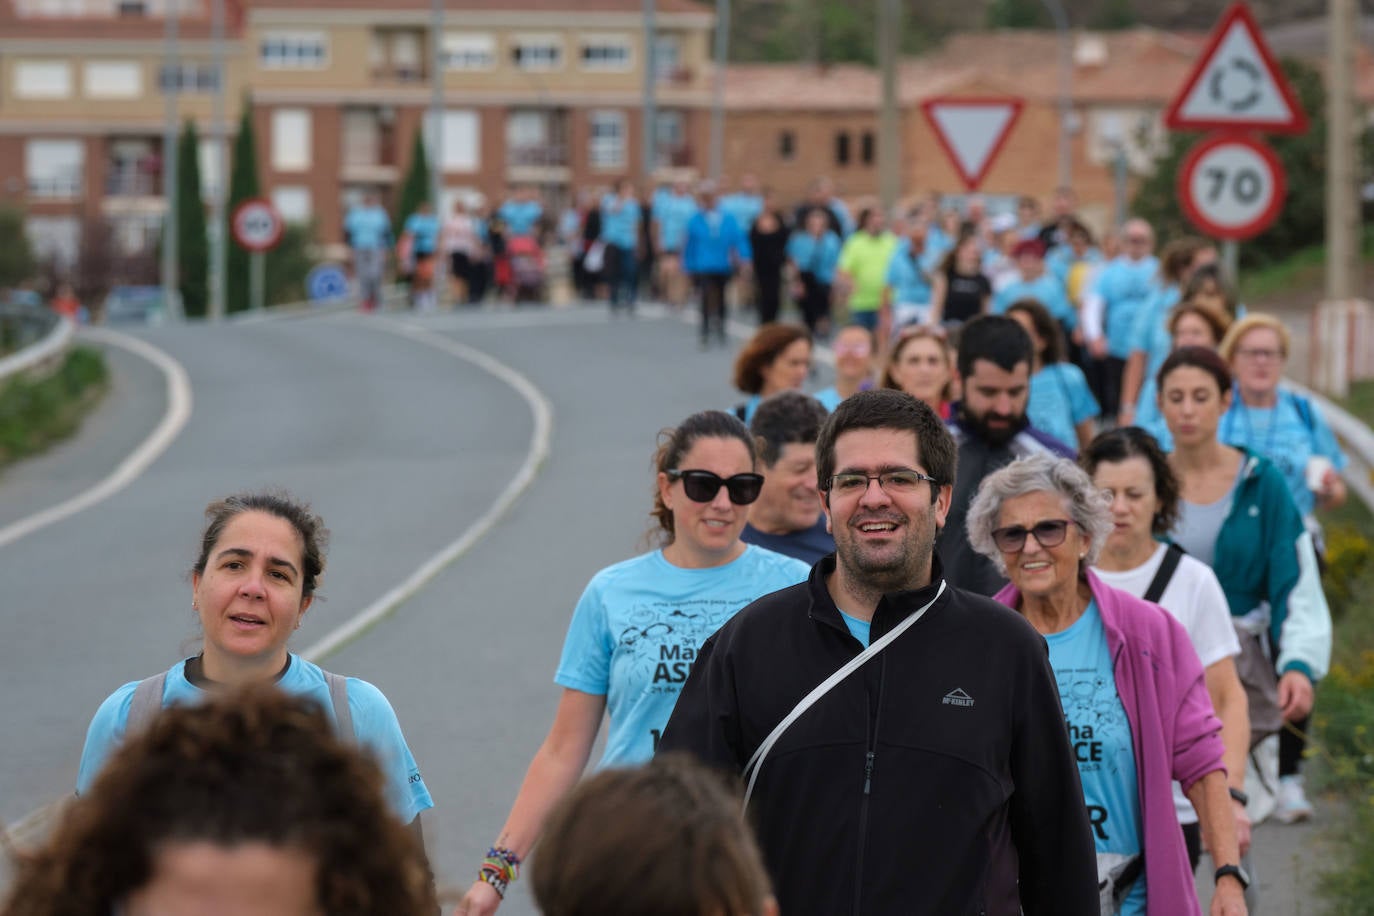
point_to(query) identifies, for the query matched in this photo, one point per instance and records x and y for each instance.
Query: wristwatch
(1235, 871)
(1239, 796)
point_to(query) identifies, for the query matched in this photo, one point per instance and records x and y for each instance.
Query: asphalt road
(402, 445)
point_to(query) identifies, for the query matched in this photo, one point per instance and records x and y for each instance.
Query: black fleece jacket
(936, 779)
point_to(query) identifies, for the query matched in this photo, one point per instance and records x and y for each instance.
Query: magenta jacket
(1174, 730)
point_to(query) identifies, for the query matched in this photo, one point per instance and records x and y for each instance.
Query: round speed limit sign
(257, 225)
(1232, 186)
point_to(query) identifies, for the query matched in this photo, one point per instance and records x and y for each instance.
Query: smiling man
(787, 516)
(991, 430)
(930, 771)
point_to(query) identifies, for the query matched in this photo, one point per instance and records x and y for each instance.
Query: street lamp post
(172, 83)
(219, 241)
(1061, 26)
(649, 133)
(718, 92)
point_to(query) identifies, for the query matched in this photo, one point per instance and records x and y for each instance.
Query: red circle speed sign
(1232, 186)
(257, 225)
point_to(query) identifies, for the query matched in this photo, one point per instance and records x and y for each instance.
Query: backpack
(147, 703)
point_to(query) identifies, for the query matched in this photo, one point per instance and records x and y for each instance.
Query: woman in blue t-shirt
(1061, 403)
(637, 628)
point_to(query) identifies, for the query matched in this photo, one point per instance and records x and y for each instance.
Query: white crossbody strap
(751, 769)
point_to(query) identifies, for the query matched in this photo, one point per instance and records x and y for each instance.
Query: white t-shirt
(1195, 598)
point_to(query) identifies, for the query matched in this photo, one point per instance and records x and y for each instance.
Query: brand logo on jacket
(957, 697)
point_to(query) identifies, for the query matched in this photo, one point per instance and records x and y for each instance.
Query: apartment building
(542, 92)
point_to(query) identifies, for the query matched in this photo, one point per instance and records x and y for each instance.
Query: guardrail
(1356, 437)
(43, 338)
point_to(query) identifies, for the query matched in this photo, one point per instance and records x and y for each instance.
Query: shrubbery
(36, 413)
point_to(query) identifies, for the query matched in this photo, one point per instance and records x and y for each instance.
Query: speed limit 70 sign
(257, 225)
(1232, 186)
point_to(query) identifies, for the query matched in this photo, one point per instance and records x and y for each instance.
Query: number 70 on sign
(1232, 186)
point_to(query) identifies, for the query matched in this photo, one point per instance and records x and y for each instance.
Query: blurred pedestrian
(768, 239)
(777, 358)
(716, 249)
(959, 290)
(814, 252)
(367, 230)
(854, 350)
(1061, 404)
(922, 365)
(620, 231)
(420, 235)
(461, 244)
(787, 516)
(863, 268)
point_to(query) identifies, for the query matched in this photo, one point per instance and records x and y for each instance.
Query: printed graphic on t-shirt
(661, 643)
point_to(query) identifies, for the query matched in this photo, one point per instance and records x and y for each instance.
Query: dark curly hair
(676, 441)
(251, 766)
(309, 526)
(1050, 330)
(1116, 445)
(762, 350)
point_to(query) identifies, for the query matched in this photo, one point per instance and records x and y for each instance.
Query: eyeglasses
(894, 483)
(1260, 354)
(702, 486)
(853, 349)
(1049, 533)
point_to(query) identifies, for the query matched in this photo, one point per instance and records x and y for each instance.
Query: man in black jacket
(938, 777)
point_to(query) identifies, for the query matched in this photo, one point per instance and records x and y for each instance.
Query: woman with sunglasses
(638, 626)
(1132, 687)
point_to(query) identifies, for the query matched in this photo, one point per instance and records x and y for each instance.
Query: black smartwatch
(1239, 796)
(1235, 871)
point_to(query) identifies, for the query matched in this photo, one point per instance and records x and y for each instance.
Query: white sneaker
(1293, 804)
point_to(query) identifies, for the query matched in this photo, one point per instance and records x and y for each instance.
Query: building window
(607, 145)
(842, 148)
(113, 79)
(293, 203)
(606, 53)
(290, 140)
(468, 51)
(670, 140)
(667, 58)
(866, 147)
(187, 77)
(211, 174)
(54, 238)
(42, 79)
(293, 51)
(787, 145)
(537, 52)
(53, 168)
(462, 139)
(362, 137)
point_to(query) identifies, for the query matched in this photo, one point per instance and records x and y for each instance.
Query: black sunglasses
(1049, 533)
(702, 486)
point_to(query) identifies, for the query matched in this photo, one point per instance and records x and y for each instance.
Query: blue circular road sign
(326, 281)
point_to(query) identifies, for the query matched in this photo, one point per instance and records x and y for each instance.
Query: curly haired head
(249, 767)
(762, 351)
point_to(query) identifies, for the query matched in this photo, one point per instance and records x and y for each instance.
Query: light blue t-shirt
(745, 208)
(1288, 434)
(638, 626)
(620, 222)
(1102, 743)
(374, 726)
(859, 629)
(1148, 416)
(1151, 331)
(1060, 399)
(673, 211)
(424, 228)
(907, 276)
(1061, 259)
(1045, 289)
(521, 216)
(368, 228)
(819, 256)
(1125, 287)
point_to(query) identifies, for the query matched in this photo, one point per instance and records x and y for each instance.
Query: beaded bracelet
(499, 869)
(490, 877)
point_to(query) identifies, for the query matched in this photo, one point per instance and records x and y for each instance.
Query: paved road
(402, 445)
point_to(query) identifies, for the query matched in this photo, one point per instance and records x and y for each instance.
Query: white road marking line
(179, 402)
(535, 456)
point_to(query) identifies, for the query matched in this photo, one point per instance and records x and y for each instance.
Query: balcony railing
(132, 184)
(55, 188)
(399, 74)
(548, 155)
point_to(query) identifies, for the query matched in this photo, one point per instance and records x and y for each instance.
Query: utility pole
(1341, 192)
(718, 94)
(219, 241)
(1061, 27)
(888, 42)
(649, 115)
(171, 67)
(436, 144)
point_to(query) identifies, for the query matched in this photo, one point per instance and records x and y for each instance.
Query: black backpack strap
(146, 704)
(338, 696)
(1165, 572)
(741, 410)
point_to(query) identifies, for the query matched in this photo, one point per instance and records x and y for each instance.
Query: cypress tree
(193, 246)
(243, 185)
(416, 186)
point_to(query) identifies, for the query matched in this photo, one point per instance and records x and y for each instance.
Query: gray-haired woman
(1132, 688)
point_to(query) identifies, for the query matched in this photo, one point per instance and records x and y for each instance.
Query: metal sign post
(257, 279)
(257, 227)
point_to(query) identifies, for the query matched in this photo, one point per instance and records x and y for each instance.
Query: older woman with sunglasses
(638, 626)
(1132, 687)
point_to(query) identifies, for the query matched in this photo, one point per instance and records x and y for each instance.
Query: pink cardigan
(1174, 730)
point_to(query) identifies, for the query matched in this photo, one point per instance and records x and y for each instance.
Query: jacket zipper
(870, 759)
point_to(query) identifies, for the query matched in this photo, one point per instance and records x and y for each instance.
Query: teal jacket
(1264, 555)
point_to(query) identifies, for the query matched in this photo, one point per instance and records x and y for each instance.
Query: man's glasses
(702, 486)
(1259, 354)
(1049, 533)
(894, 483)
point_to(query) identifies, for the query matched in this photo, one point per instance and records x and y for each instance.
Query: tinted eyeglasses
(702, 486)
(1049, 533)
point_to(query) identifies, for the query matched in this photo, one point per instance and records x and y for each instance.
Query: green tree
(288, 263)
(1115, 15)
(1017, 14)
(193, 245)
(1302, 220)
(17, 262)
(416, 186)
(243, 185)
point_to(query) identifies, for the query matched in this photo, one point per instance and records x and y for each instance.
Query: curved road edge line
(540, 441)
(179, 404)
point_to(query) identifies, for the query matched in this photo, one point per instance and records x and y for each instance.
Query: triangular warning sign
(1237, 84)
(972, 131)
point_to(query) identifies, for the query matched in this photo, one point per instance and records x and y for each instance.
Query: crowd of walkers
(1021, 614)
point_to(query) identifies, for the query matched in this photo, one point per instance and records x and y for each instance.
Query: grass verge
(35, 413)
(1304, 270)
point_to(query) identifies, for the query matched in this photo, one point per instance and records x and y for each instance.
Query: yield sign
(971, 131)
(1237, 84)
